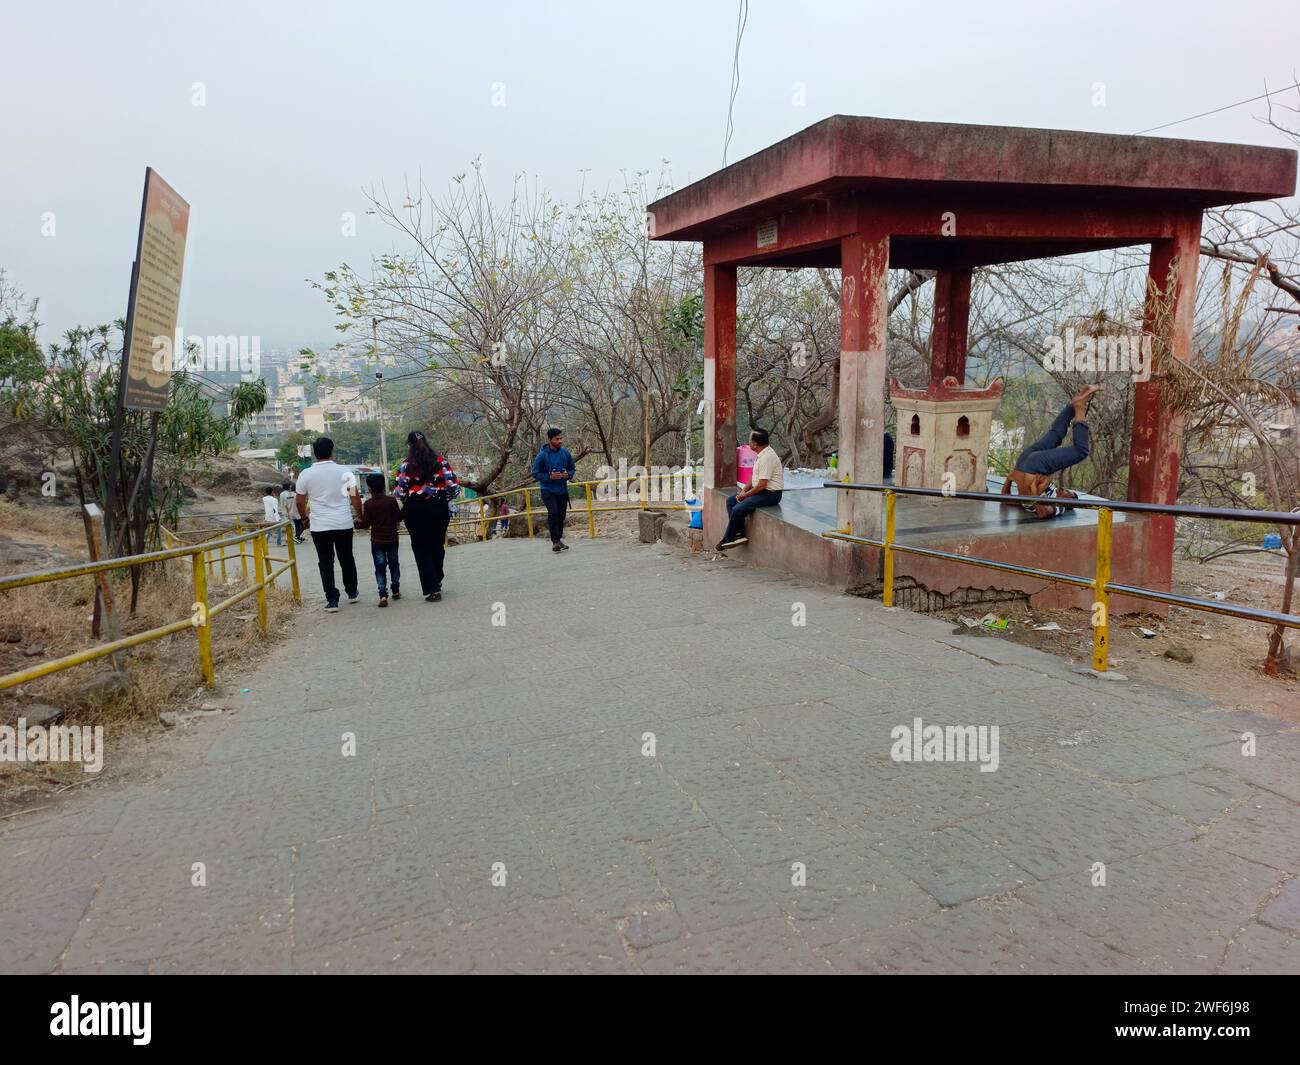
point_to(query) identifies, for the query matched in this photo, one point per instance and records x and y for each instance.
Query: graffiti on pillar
(913, 467)
(961, 465)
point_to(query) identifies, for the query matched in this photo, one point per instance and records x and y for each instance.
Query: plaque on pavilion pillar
(943, 429)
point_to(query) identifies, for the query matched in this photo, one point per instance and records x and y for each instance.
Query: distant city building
(346, 404)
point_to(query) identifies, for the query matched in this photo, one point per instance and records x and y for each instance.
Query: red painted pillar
(948, 331)
(864, 318)
(1158, 432)
(720, 378)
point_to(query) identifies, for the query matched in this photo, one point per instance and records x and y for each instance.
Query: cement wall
(924, 583)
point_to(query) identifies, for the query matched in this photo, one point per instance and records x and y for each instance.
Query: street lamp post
(383, 438)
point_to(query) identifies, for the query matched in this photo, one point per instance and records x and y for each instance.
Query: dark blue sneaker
(332, 606)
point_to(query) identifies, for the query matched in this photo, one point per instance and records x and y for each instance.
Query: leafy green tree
(356, 442)
(287, 453)
(71, 401)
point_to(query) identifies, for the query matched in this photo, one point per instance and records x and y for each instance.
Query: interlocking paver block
(517, 754)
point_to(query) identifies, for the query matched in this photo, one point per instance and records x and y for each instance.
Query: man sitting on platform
(765, 486)
(1032, 475)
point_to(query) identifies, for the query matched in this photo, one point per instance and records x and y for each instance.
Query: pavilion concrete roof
(848, 154)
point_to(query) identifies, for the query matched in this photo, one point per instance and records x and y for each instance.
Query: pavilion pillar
(948, 331)
(1156, 443)
(1170, 307)
(720, 378)
(864, 318)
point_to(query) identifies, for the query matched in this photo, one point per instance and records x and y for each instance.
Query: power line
(1226, 107)
(742, 17)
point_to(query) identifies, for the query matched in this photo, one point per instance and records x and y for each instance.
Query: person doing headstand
(1032, 475)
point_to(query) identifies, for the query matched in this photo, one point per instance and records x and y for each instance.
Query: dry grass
(43, 523)
(57, 618)
(53, 620)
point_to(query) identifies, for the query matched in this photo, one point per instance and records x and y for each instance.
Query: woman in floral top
(426, 485)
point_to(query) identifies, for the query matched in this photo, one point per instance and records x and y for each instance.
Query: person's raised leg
(1046, 455)
(1053, 437)
(1079, 404)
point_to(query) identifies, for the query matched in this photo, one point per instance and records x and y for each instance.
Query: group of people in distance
(327, 500)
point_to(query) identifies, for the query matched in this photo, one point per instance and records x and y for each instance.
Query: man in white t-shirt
(764, 490)
(271, 513)
(329, 490)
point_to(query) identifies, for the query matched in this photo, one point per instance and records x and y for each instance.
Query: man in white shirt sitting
(765, 487)
(330, 489)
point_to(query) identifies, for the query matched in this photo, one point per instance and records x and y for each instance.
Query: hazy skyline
(307, 104)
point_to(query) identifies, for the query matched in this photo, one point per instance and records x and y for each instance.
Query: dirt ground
(1227, 653)
(52, 620)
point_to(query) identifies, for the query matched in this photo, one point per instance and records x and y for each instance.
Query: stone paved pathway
(521, 744)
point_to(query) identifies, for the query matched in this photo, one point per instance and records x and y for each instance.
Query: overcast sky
(307, 103)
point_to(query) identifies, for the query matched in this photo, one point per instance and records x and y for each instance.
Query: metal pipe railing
(202, 612)
(593, 508)
(1101, 584)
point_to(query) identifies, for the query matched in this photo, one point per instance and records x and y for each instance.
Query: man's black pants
(427, 521)
(738, 511)
(557, 505)
(329, 543)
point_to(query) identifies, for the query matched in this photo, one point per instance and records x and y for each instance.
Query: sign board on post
(155, 296)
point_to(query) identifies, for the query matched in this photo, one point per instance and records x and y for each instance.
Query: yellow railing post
(482, 523)
(889, 549)
(644, 491)
(259, 562)
(293, 566)
(223, 563)
(243, 554)
(1101, 598)
(528, 509)
(199, 618)
(591, 514)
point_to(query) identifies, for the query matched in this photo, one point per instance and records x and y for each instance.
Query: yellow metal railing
(1100, 583)
(253, 546)
(485, 520)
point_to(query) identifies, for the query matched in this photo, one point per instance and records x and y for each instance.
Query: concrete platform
(921, 520)
(788, 537)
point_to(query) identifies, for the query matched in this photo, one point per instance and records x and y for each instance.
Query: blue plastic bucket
(697, 514)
